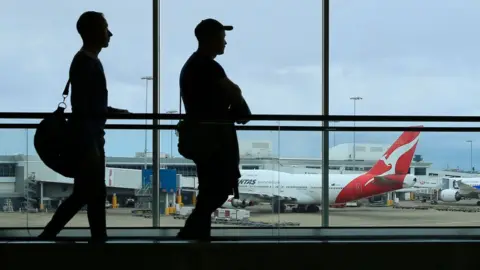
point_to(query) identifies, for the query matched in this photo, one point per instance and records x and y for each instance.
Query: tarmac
(356, 217)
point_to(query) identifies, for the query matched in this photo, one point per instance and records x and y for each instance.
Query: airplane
(462, 188)
(391, 172)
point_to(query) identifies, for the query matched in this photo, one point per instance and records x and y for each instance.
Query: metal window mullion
(156, 122)
(326, 112)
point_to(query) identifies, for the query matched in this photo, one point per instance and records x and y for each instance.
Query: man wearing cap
(208, 94)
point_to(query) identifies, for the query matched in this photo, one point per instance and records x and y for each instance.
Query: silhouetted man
(208, 94)
(89, 99)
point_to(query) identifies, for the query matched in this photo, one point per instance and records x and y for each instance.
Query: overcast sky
(402, 57)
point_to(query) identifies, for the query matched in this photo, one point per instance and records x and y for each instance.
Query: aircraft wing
(386, 180)
(464, 188)
(381, 181)
(268, 197)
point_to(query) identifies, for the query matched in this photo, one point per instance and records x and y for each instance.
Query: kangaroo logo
(389, 161)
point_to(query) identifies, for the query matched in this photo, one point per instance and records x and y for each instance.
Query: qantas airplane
(305, 190)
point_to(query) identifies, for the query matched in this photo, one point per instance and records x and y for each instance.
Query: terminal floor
(245, 256)
(363, 216)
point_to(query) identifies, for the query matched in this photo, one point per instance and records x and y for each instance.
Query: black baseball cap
(209, 27)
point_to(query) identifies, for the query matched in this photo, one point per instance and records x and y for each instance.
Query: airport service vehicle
(305, 190)
(108, 205)
(463, 188)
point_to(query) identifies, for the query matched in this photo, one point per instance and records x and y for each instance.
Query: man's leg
(66, 211)
(213, 192)
(97, 213)
(198, 225)
(96, 203)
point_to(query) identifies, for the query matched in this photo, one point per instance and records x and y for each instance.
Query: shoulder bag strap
(66, 90)
(180, 103)
(65, 95)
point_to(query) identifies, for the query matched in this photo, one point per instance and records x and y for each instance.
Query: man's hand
(115, 110)
(243, 122)
(242, 111)
(123, 111)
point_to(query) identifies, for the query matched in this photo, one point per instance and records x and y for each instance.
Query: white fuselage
(305, 188)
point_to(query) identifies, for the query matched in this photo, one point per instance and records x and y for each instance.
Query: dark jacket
(89, 99)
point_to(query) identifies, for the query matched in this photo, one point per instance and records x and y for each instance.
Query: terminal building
(26, 182)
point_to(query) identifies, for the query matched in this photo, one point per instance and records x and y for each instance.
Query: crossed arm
(239, 106)
(116, 110)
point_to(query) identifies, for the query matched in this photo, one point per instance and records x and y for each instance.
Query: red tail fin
(398, 157)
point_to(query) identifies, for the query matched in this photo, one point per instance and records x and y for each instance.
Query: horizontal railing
(273, 117)
(269, 128)
(269, 117)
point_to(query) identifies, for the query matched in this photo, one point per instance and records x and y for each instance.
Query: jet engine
(450, 195)
(241, 203)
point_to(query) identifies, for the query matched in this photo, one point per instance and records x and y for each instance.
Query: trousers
(89, 189)
(216, 181)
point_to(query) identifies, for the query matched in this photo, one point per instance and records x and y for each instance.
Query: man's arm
(83, 94)
(232, 90)
(239, 106)
(241, 113)
(234, 93)
(83, 86)
(116, 110)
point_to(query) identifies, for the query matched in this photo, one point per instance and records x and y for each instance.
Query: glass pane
(30, 192)
(280, 183)
(43, 55)
(13, 194)
(45, 39)
(273, 53)
(404, 57)
(406, 178)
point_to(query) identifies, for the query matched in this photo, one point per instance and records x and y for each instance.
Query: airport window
(129, 166)
(360, 148)
(260, 145)
(184, 170)
(249, 167)
(420, 171)
(385, 51)
(7, 170)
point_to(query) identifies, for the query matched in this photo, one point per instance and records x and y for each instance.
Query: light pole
(171, 132)
(334, 132)
(471, 154)
(146, 78)
(354, 113)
